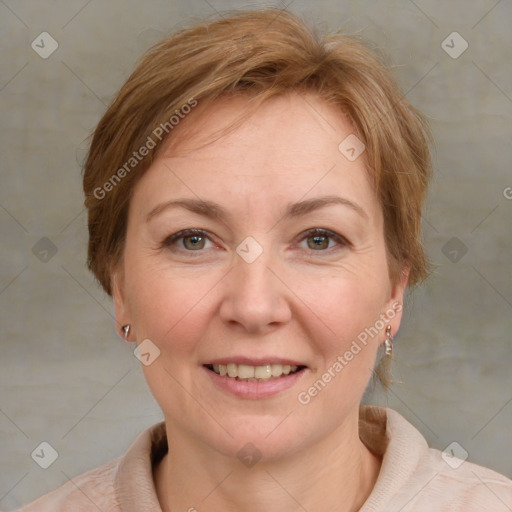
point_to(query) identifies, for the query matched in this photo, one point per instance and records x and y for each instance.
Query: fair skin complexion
(304, 299)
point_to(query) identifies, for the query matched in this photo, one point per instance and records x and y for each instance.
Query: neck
(337, 473)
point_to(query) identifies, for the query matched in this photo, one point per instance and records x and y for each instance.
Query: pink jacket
(413, 477)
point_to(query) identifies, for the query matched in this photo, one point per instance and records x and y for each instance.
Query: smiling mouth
(247, 373)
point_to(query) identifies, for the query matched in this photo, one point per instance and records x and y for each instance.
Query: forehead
(302, 122)
(288, 147)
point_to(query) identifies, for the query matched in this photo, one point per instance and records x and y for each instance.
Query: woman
(254, 199)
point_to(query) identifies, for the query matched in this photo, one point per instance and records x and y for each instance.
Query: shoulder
(91, 491)
(445, 480)
(126, 482)
(417, 478)
(464, 485)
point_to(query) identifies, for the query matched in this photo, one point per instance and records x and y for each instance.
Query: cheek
(347, 302)
(353, 337)
(173, 311)
(166, 306)
(350, 310)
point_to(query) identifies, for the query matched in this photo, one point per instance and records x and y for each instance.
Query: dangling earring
(389, 342)
(126, 330)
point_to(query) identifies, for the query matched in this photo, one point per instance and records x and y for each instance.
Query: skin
(293, 301)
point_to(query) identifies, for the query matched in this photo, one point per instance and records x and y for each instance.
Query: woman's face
(284, 266)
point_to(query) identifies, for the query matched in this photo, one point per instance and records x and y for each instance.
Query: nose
(256, 300)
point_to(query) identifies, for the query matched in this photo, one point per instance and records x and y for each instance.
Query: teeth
(246, 372)
(232, 370)
(253, 373)
(262, 372)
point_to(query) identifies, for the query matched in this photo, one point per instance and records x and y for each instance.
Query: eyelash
(339, 239)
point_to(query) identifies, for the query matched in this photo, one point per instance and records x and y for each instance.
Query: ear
(121, 308)
(394, 306)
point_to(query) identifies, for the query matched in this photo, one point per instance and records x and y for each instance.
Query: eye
(322, 239)
(189, 240)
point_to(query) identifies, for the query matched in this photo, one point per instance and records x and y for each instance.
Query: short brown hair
(263, 54)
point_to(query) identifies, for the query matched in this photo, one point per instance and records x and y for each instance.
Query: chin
(265, 438)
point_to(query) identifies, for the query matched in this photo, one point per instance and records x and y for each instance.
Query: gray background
(66, 378)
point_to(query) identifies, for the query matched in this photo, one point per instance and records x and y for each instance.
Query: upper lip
(251, 361)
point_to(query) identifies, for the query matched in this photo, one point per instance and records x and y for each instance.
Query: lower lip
(255, 390)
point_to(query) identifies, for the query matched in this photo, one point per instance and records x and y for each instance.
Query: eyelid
(171, 239)
(340, 239)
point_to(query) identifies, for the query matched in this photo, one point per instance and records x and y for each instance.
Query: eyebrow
(215, 211)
